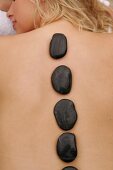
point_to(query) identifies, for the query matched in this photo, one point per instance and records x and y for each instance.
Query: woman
(28, 129)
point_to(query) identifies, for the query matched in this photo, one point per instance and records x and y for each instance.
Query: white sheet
(6, 27)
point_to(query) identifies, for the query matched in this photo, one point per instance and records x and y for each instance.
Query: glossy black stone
(69, 168)
(58, 46)
(65, 114)
(66, 147)
(62, 79)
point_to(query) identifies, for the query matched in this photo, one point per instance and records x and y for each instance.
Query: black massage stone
(69, 168)
(62, 79)
(66, 147)
(65, 114)
(58, 46)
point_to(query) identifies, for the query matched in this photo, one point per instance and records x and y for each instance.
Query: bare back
(28, 130)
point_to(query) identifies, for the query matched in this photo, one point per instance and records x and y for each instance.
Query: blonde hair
(88, 15)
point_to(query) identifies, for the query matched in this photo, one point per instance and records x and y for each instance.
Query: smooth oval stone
(62, 79)
(58, 46)
(66, 147)
(69, 168)
(65, 114)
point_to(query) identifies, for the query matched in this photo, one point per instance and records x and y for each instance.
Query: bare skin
(28, 130)
(5, 4)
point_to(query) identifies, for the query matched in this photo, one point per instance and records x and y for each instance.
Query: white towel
(6, 27)
(105, 2)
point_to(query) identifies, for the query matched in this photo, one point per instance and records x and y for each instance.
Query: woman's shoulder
(42, 37)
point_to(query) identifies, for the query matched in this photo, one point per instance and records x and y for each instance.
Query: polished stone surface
(66, 147)
(69, 168)
(62, 79)
(58, 46)
(65, 114)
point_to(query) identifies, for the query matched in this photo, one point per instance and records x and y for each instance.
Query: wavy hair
(90, 15)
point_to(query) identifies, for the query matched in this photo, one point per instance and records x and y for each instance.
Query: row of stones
(64, 110)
